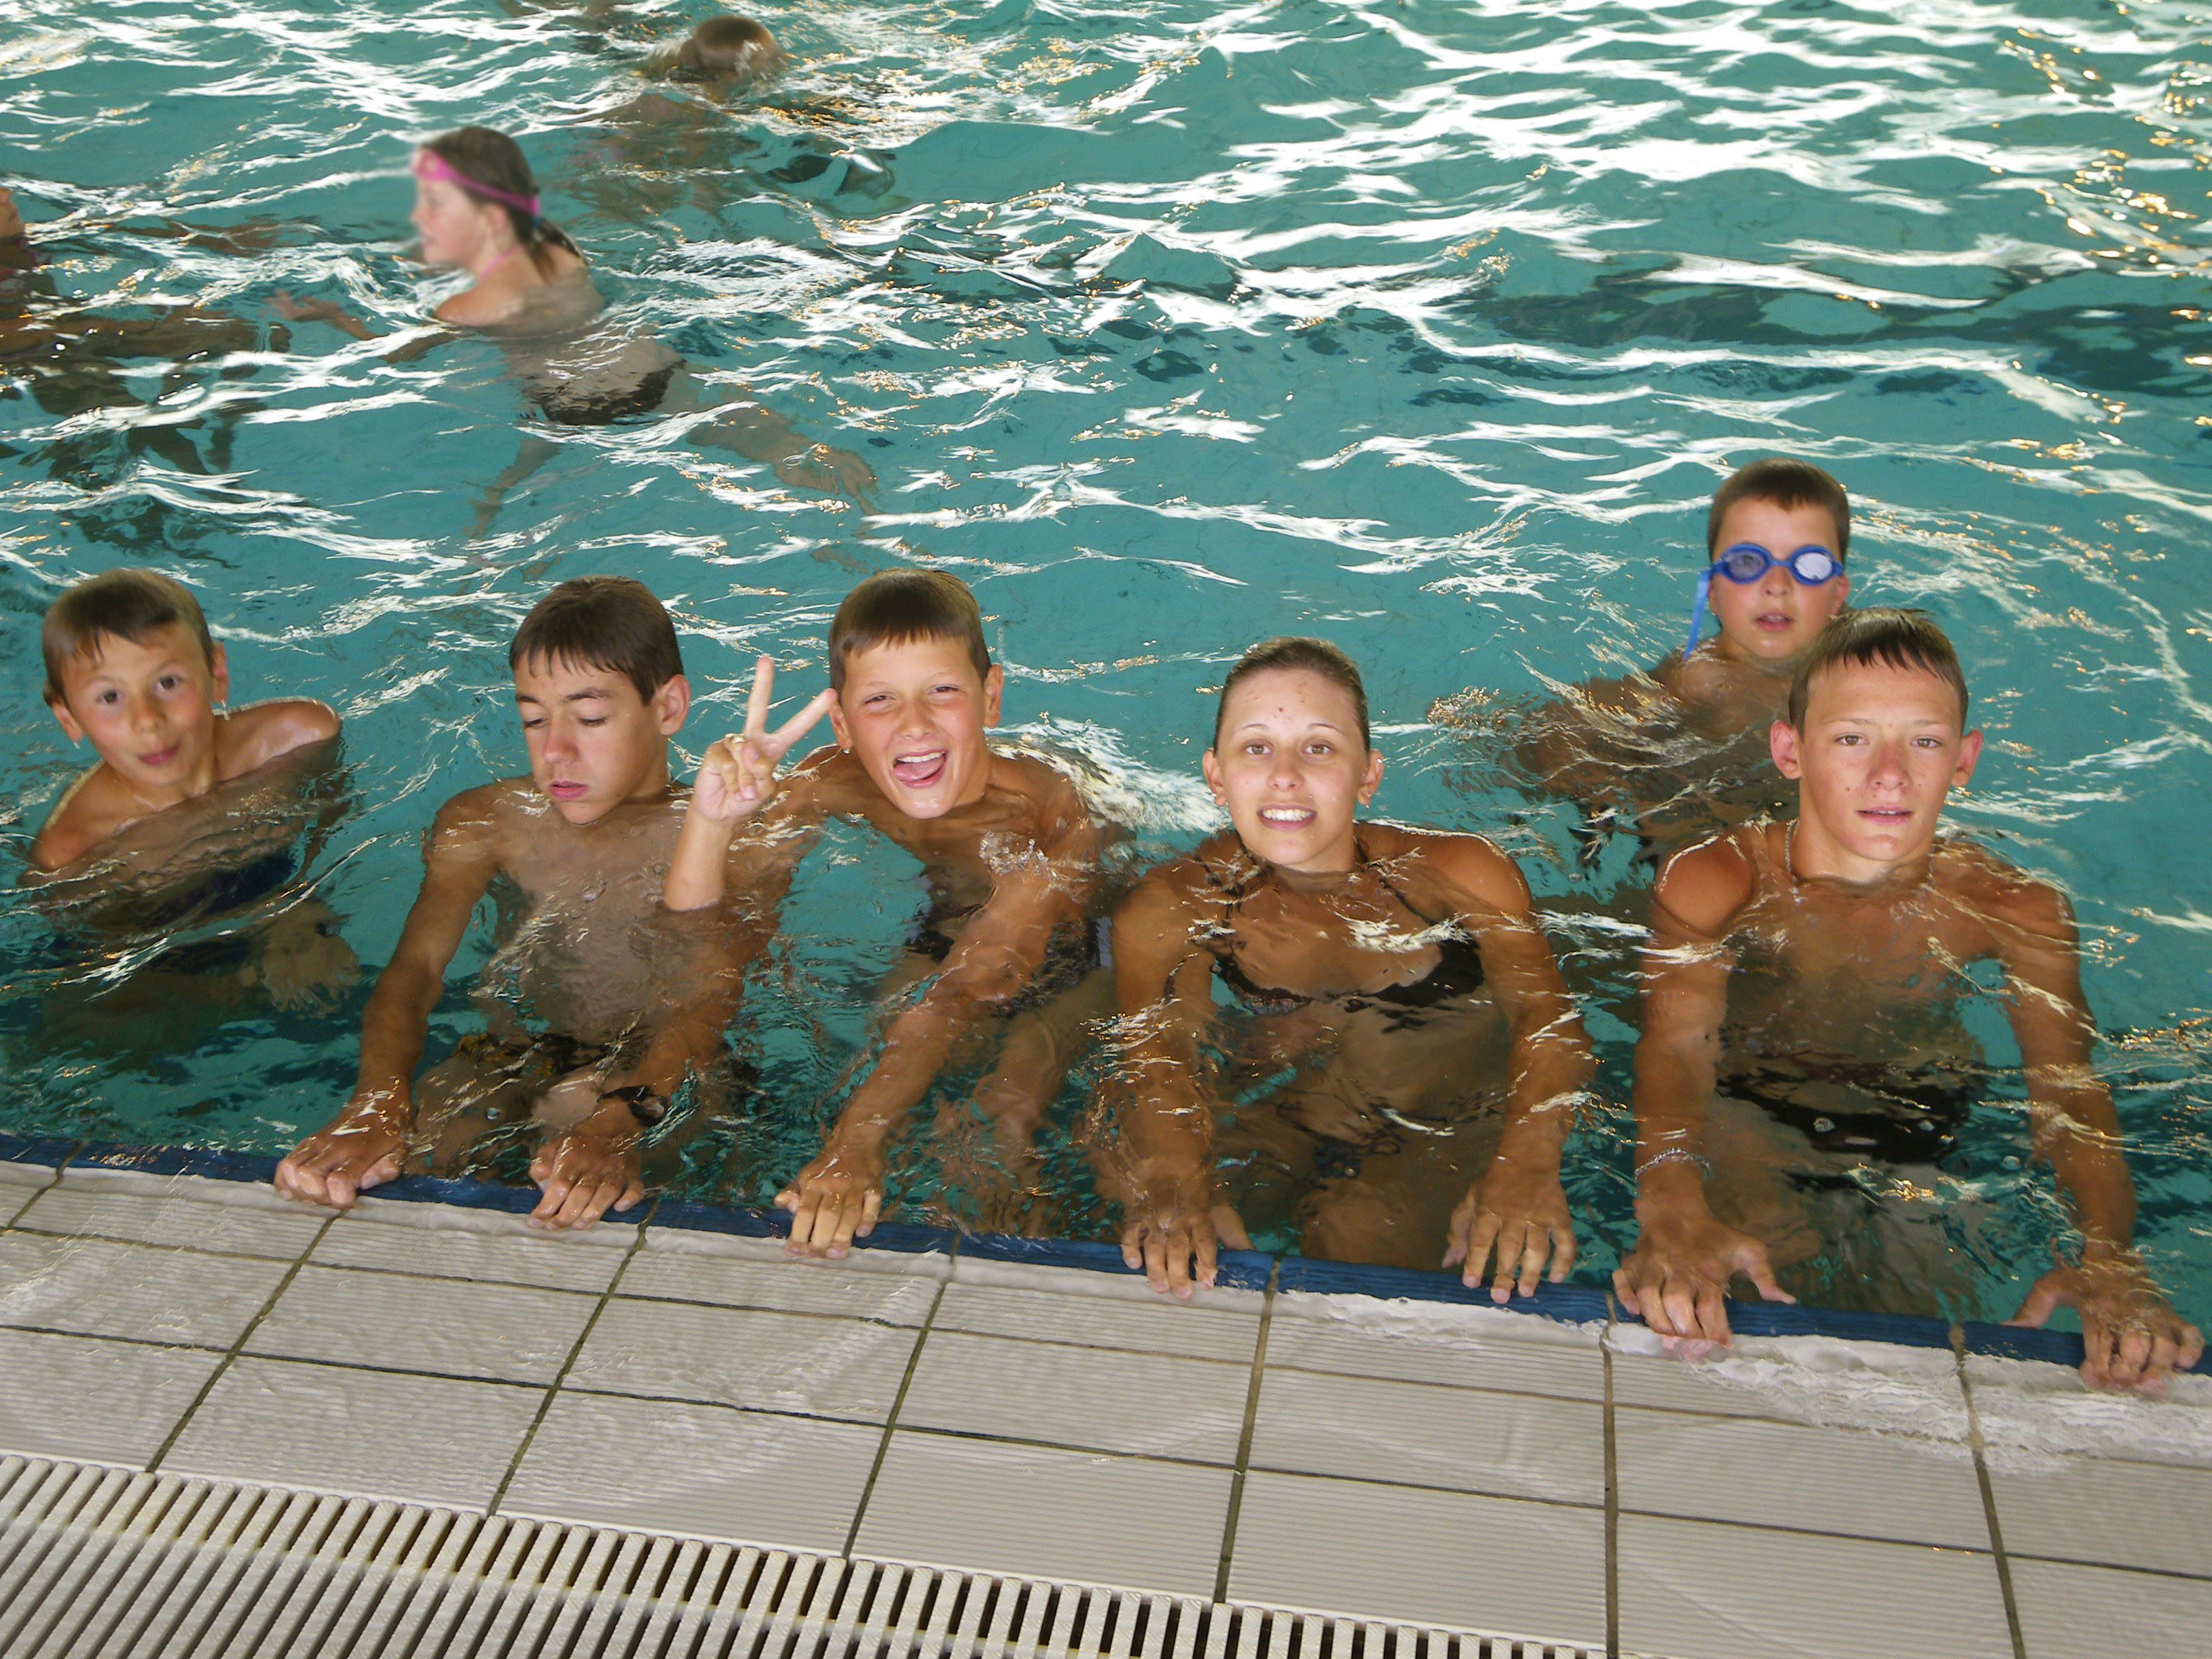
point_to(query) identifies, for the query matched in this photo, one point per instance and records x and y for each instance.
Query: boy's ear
(1211, 769)
(66, 721)
(1970, 750)
(1842, 590)
(1781, 742)
(837, 724)
(219, 674)
(995, 691)
(671, 704)
(1372, 779)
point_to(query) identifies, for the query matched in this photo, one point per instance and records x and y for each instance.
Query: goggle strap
(1697, 611)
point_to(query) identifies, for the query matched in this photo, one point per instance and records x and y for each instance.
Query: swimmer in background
(477, 206)
(192, 808)
(72, 357)
(1680, 750)
(1801, 1069)
(626, 1005)
(1010, 856)
(677, 145)
(1398, 976)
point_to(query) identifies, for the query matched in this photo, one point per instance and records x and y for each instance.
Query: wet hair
(124, 604)
(894, 607)
(1788, 484)
(1298, 653)
(612, 622)
(719, 45)
(1884, 634)
(489, 157)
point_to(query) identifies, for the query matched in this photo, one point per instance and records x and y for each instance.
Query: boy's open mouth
(1773, 621)
(159, 758)
(566, 789)
(919, 771)
(1887, 815)
(1286, 818)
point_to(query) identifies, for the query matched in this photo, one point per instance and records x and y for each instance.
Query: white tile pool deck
(1415, 1462)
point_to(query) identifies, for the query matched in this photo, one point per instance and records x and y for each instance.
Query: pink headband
(428, 164)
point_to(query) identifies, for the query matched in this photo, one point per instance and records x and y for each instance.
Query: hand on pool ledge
(1676, 1277)
(1172, 1225)
(359, 1149)
(1517, 1208)
(2131, 1338)
(584, 1171)
(835, 1199)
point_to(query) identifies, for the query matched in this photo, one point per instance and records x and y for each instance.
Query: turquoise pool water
(1169, 326)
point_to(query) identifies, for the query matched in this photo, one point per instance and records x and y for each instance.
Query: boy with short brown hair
(627, 1007)
(1668, 745)
(133, 669)
(1802, 1067)
(1010, 856)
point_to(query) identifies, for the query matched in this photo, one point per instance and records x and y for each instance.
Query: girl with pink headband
(478, 209)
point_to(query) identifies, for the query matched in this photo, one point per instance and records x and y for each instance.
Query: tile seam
(1612, 1496)
(1989, 1497)
(231, 1355)
(552, 1390)
(157, 1244)
(1243, 1465)
(891, 1418)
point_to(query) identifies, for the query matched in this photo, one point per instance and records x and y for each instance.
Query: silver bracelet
(1674, 1155)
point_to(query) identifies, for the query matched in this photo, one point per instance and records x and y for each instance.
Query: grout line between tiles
(553, 1388)
(1612, 1499)
(898, 1399)
(1989, 1497)
(1244, 1437)
(230, 1355)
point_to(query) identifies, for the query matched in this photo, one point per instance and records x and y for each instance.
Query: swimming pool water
(1169, 326)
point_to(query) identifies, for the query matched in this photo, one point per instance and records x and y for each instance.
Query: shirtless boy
(1802, 1041)
(623, 1004)
(191, 812)
(1665, 743)
(1008, 851)
(131, 668)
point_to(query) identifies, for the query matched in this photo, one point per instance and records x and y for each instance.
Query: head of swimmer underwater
(131, 668)
(599, 686)
(477, 203)
(1291, 758)
(1876, 739)
(1769, 611)
(11, 218)
(916, 689)
(722, 50)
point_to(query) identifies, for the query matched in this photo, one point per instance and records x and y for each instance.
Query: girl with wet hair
(478, 209)
(1334, 1029)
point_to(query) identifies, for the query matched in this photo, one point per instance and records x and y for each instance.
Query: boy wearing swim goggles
(1776, 537)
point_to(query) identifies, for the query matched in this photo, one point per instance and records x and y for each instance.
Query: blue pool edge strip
(1237, 1269)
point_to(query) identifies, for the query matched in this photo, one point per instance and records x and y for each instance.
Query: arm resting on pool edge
(1517, 1207)
(2131, 1336)
(837, 1197)
(1676, 1277)
(365, 1143)
(1173, 1218)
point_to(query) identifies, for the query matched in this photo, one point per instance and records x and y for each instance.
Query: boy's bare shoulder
(1989, 887)
(260, 733)
(90, 811)
(1029, 776)
(1706, 887)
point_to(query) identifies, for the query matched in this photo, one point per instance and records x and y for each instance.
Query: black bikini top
(1457, 971)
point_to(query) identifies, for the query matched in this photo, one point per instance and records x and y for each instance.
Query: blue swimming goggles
(1747, 561)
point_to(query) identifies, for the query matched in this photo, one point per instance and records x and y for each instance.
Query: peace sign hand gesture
(737, 776)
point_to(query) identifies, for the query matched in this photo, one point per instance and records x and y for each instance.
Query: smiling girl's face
(1289, 763)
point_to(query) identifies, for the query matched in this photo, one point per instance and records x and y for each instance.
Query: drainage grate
(105, 1564)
